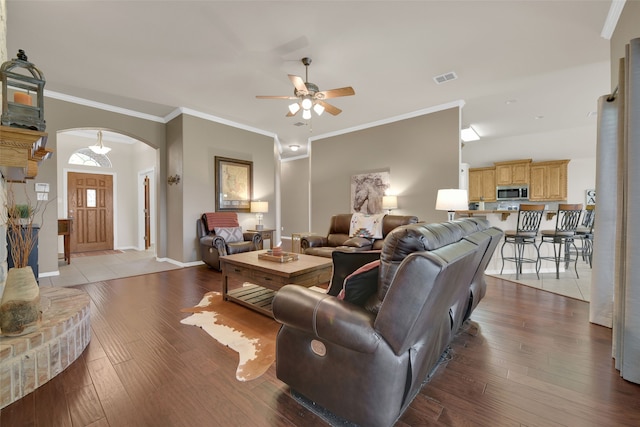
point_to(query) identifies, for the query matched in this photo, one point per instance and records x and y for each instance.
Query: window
(86, 157)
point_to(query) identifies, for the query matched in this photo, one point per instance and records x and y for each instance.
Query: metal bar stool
(567, 221)
(585, 233)
(529, 217)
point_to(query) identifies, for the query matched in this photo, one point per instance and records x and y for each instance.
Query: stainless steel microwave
(512, 192)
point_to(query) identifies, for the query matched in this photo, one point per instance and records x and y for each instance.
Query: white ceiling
(214, 57)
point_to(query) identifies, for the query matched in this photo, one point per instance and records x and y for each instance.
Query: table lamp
(259, 208)
(389, 203)
(451, 200)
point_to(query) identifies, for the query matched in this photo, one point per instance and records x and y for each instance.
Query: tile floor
(86, 268)
(567, 284)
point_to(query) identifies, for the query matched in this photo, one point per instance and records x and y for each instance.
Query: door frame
(65, 195)
(151, 173)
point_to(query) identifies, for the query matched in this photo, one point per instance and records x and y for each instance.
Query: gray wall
(202, 140)
(422, 155)
(294, 187)
(62, 115)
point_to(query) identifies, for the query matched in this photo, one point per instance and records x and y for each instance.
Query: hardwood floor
(529, 358)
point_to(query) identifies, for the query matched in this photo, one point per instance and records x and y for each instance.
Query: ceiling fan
(308, 96)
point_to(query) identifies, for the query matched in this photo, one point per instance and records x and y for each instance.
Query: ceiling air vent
(445, 77)
(299, 124)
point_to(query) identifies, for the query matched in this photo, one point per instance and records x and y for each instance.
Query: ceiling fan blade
(335, 93)
(275, 97)
(330, 108)
(299, 84)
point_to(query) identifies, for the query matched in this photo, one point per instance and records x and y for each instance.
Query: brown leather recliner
(367, 363)
(213, 246)
(338, 236)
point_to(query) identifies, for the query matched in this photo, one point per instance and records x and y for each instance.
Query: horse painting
(367, 191)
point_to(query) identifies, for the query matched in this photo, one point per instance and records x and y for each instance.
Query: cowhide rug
(250, 334)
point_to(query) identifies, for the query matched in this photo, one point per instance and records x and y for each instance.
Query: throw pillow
(357, 242)
(361, 284)
(230, 234)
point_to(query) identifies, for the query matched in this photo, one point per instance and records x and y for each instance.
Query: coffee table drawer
(239, 271)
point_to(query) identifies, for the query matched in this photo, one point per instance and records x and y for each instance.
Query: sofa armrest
(313, 242)
(252, 236)
(326, 318)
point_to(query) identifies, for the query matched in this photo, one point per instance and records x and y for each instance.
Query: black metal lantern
(23, 79)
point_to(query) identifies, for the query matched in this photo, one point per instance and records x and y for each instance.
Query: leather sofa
(213, 246)
(365, 363)
(338, 236)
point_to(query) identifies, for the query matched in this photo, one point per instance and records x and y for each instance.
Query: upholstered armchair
(220, 234)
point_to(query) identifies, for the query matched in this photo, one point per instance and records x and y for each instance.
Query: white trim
(178, 263)
(216, 119)
(101, 106)
(288, 159)
(615, 10)
(460, 103)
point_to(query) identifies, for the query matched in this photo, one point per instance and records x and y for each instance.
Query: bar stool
(585, 233)
(567, 221)
(529, 217)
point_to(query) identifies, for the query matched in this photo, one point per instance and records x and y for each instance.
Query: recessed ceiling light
(539, 117)
(469, 134)
(510, 101)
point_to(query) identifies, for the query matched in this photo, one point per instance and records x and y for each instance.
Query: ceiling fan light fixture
(99, 147)
(318, 108)
(294, 108)
(307, 103)
(306, 114)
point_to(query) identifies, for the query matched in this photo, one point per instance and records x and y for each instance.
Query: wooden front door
(90, 204)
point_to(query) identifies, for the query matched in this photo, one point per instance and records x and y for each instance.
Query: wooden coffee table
(264, 278)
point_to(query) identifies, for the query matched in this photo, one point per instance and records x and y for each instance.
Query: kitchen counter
(504, 214)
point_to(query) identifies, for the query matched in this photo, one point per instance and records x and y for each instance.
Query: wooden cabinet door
(538, 184)
(489, 185)
(520, 173)
(503, 174)
(557, 177)
(475, 185)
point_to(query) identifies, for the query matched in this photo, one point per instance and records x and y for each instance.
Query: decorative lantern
(25, 81)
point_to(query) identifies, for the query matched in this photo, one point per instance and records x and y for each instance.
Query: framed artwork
(590, 197)
(367, 190)
(233, 184)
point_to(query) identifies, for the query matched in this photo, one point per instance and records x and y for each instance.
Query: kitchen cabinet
(513, 172)
(482, 184)
(548, 181)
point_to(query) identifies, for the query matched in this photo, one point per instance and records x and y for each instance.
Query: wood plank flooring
(528, 358)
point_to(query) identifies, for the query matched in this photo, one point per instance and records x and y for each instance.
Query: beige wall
(294, 188)
(202, 140)
(628, 28)
(62, 115)
(3, 194)
(422, 155)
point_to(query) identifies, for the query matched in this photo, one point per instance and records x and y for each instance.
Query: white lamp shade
(294, 108)
(452, 199)
(389, 202)
(307, 103)
(260, 207)
(306, 114)
(319, 109)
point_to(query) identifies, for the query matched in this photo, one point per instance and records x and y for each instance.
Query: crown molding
(615, 10)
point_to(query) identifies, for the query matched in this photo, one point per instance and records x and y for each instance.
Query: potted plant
(20, 311)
